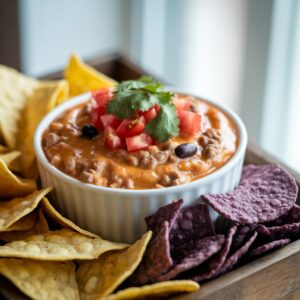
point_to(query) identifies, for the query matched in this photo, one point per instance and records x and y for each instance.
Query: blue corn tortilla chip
(192, 224)
(157, 259)
(285, 231)
(215, 264)
(266, 192)
(203, 249)
(236, 256)
(269, 246)
(167, 213)
(291, 216)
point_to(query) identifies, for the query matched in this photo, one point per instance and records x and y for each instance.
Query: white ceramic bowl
(118, 214)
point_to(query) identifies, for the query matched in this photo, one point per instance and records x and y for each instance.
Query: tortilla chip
(265, 193)
(60, 245)
(3, 149)
(13, 210)
(203, 249)
(192, 224)
(54, 216)
(232, 260)
(9, 159)
(26, 223)
(161, 289)
(216, 263)
(42, 280)
(43, 99)
(83, 78)
(269, 246)
(157, 259)
(40, 226)
(99, 278)
(15, 88)
(13, 186)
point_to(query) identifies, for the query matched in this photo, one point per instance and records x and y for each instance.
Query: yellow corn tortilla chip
(40, 226)
(58, 219)
(13, 210)
(161, 289)
(60, 245)
(83, 78)
(24, 224)
(13, 186)
(43, 99)
(10, 158)
(15, 88)
(42, 280)
(99, 278)
(3, 149)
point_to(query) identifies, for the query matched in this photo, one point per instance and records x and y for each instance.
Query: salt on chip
(156, 290)
(60, 245)
(13, 210)
(265, 193)
(13, 186)
(43, 99)
(83, 78)
(99, 278)
(42, 280)
(15, 88)
(57, 218)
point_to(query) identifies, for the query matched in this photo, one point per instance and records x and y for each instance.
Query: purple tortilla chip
(269, 246)
(243, 233)
(167, 213)
(285, 231)
(202, 251)
(217, 261)
(192, 224)
(291, 216)
(266, 192)
(235, 257)
(157, 259)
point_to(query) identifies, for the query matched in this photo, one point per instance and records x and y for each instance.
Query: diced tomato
(112, 140)
(96, 121)
(138, 142)
(110, 120)
(101, 97)
(150, 114)
(189, 122)
(157, 108)
(129, 128)
(181, 104)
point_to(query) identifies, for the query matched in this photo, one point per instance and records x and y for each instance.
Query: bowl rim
(41, 157)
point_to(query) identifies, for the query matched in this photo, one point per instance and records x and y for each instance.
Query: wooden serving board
(274, 276)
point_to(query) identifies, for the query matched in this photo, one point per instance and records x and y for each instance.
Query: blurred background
(244, 54)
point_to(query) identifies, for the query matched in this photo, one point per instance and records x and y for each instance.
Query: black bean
(185, 150)
(89, 131)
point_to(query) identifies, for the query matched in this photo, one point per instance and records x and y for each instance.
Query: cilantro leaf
(133, 96)
(165, 124)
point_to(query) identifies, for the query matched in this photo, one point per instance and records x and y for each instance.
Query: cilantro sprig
(133, 96)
